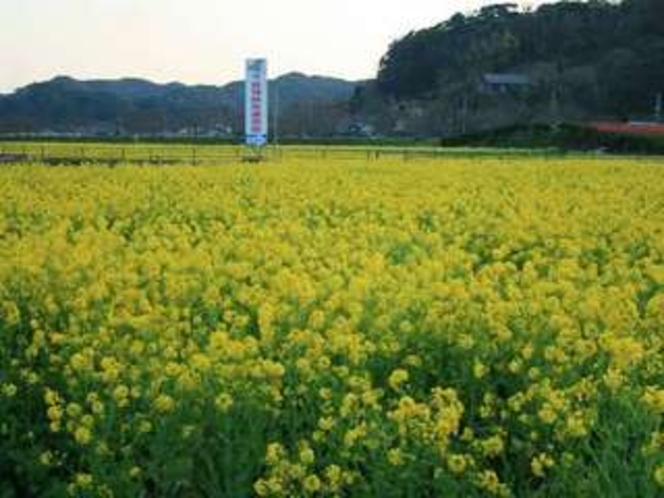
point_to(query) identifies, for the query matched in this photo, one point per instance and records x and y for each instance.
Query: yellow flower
(51, 397)
(540, 464)
(317, 319)
(457, 463)
(269, 487)
(576, 426)
(274, 454)
(164, 403)
(655, 444)
(355, 434)
(83, 480)
(46, 458)
(547, 414)
(307, 456)
(334, 476)
(74, 410)
(493, 446)
(654, 399)
(479, 370)
(395, 457)
(121, 394)
(82, 435)
(311, 484)
(224, 402)
(613, 378)
(261, 487)
(397, 378)
(9, 390)
(54, 413)
(326, 424)
(12, 315)
(659, 476)
(488, 480)
(145, 427)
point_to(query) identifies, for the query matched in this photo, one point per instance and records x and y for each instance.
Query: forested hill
(131, 105)
(598, 58)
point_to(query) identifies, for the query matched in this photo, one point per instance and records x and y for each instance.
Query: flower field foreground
(459, 328)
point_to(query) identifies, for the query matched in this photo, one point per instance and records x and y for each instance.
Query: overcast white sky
(204, 41)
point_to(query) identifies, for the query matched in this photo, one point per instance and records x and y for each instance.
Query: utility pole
(555, 108)
(658, 108)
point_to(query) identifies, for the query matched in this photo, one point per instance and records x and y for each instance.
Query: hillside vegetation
(584, 60)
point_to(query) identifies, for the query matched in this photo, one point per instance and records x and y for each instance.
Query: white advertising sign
(255, 107)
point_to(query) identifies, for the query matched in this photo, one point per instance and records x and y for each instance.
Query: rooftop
(506, 79)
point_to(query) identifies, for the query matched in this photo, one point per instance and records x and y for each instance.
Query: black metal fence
(66, 154)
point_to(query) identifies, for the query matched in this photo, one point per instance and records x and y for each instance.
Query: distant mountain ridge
(500, 66)
(133, 105)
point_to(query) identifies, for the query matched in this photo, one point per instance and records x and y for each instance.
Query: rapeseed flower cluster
(433, 328)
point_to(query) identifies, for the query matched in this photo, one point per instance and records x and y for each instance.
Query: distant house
(360, 130)
(504, 82)
(629, 128)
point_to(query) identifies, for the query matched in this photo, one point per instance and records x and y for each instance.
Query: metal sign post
(256, 108)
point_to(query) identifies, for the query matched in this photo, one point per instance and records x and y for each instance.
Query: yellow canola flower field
(459, 327)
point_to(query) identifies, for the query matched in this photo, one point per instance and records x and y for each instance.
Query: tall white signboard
(255, 103)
